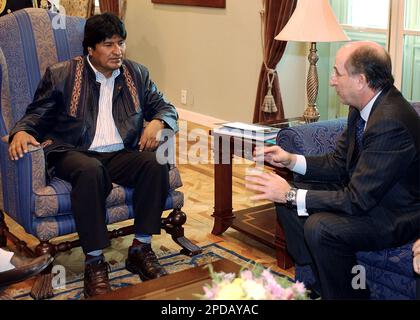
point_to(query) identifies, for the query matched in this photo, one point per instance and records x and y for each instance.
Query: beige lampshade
(312, 21)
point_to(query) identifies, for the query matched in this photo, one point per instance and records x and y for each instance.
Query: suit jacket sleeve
(388, 150)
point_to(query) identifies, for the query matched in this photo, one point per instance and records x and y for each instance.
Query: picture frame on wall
(199, 3)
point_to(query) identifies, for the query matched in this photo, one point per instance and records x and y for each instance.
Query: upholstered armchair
(389, 272)
(28, 44)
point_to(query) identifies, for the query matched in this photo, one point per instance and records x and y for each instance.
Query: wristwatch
(291, 197)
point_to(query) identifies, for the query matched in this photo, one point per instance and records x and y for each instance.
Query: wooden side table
(260, 222)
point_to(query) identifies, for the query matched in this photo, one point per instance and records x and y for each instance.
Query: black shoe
(142, 260)
(313, 295)
(314, 290)
(25, 268)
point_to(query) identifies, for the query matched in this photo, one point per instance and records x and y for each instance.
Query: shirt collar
(99, 75)
(365, 113)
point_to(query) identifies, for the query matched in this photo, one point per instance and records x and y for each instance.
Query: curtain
(80, 8)
(117, 7)
(275, 16)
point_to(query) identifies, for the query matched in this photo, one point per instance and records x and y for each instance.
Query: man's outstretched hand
(269, 186)
(275, 156)
(19, 145)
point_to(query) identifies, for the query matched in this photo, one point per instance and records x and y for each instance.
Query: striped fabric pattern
(19, 89)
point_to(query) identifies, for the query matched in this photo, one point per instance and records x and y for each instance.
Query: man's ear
(362, 80)
(90, 50)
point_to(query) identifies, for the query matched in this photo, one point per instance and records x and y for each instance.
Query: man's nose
(117, 50)
(333, 81)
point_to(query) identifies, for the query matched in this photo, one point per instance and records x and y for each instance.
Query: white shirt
(107, 138)
(300, 165)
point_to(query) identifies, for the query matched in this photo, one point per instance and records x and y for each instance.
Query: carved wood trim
(200, 3)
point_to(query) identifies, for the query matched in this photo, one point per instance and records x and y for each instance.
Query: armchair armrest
(19, 180)
(35, 158)
(313, 138)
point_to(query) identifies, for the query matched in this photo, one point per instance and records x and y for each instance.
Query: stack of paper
(249, 131)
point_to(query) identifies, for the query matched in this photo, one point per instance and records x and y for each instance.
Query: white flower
(255, 290)
(231, 291)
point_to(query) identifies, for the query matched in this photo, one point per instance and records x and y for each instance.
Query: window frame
(395, 34)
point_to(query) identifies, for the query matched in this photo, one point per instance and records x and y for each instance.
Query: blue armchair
(389, 272)
(28, 44)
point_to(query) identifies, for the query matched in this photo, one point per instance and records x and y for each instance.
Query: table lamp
(312, 21)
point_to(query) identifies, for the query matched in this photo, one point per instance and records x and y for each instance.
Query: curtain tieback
(269, 104)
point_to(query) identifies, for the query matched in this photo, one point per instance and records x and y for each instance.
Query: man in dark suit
(88, 114)
(367, 192)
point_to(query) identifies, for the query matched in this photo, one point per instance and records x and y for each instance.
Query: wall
(292, 70)
(214, 54)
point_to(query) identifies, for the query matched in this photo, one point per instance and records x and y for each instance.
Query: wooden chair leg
(5, 235)
(42, 288)
(173, 225)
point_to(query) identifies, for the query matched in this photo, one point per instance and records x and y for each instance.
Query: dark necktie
(360, 126)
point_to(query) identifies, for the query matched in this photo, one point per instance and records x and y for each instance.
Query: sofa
(389, 272)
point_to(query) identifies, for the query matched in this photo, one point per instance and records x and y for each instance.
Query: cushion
(54, 199)
(46, 228)
(311, 139)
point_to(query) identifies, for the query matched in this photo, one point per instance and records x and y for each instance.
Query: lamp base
(311, 114)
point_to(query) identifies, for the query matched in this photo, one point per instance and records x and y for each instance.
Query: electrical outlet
(183, 96)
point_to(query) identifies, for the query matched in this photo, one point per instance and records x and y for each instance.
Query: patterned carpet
(172, 261)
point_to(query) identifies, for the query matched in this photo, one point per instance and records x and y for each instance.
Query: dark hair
(100, 27)
(374, 64)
